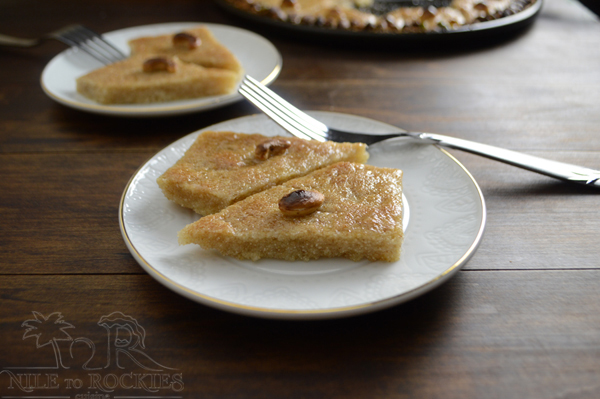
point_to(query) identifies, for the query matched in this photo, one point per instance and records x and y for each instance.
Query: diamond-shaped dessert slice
(360, 217)
(208, 52)
(126, 82)
(221, 168)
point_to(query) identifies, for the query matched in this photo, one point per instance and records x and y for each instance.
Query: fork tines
(283, 113)
(90, 42)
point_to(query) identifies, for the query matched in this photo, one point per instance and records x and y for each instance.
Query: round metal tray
(500, 28)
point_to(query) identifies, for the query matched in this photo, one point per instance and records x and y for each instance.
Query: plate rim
(306, 314)
(166, 109)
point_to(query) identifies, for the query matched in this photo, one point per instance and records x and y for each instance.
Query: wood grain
(61, 215)
(483, 334)
(519, 321)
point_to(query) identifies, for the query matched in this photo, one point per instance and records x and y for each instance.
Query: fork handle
(558, 170)
(6, 40)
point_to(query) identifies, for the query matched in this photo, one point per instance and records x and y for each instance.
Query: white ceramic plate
(259, 58)
(447, 218)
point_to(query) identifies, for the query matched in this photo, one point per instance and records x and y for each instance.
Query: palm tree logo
(48, 330)
(126, 339)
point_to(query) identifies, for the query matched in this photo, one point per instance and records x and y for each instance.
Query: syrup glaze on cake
(360, 217)
(221, 168)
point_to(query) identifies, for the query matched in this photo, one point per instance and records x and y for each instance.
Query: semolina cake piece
(221, 168)
(149, 79)
(197, 45)
(360, 217)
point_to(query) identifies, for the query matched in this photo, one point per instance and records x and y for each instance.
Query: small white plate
(447, 219)
(259, 58)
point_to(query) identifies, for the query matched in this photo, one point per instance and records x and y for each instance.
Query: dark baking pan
(474, 34)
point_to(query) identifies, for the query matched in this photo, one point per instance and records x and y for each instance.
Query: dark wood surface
(521, 320)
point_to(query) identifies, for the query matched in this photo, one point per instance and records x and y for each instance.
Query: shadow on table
(314, 356)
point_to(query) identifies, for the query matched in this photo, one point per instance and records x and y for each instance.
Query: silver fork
(304, 126)
(77, 36)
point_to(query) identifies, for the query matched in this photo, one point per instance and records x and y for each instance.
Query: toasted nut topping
(335, 13)
(300, 202)
(159, 64)
(394, 23)
(344, 24)
(357, 23)
(294, 18)
(289, 3)
(270, 148)
(429, 12)
(308, 20)
(481, 6)
(186, 40)
(277, 13)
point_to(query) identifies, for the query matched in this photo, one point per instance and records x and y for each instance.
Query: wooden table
(520, 320)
